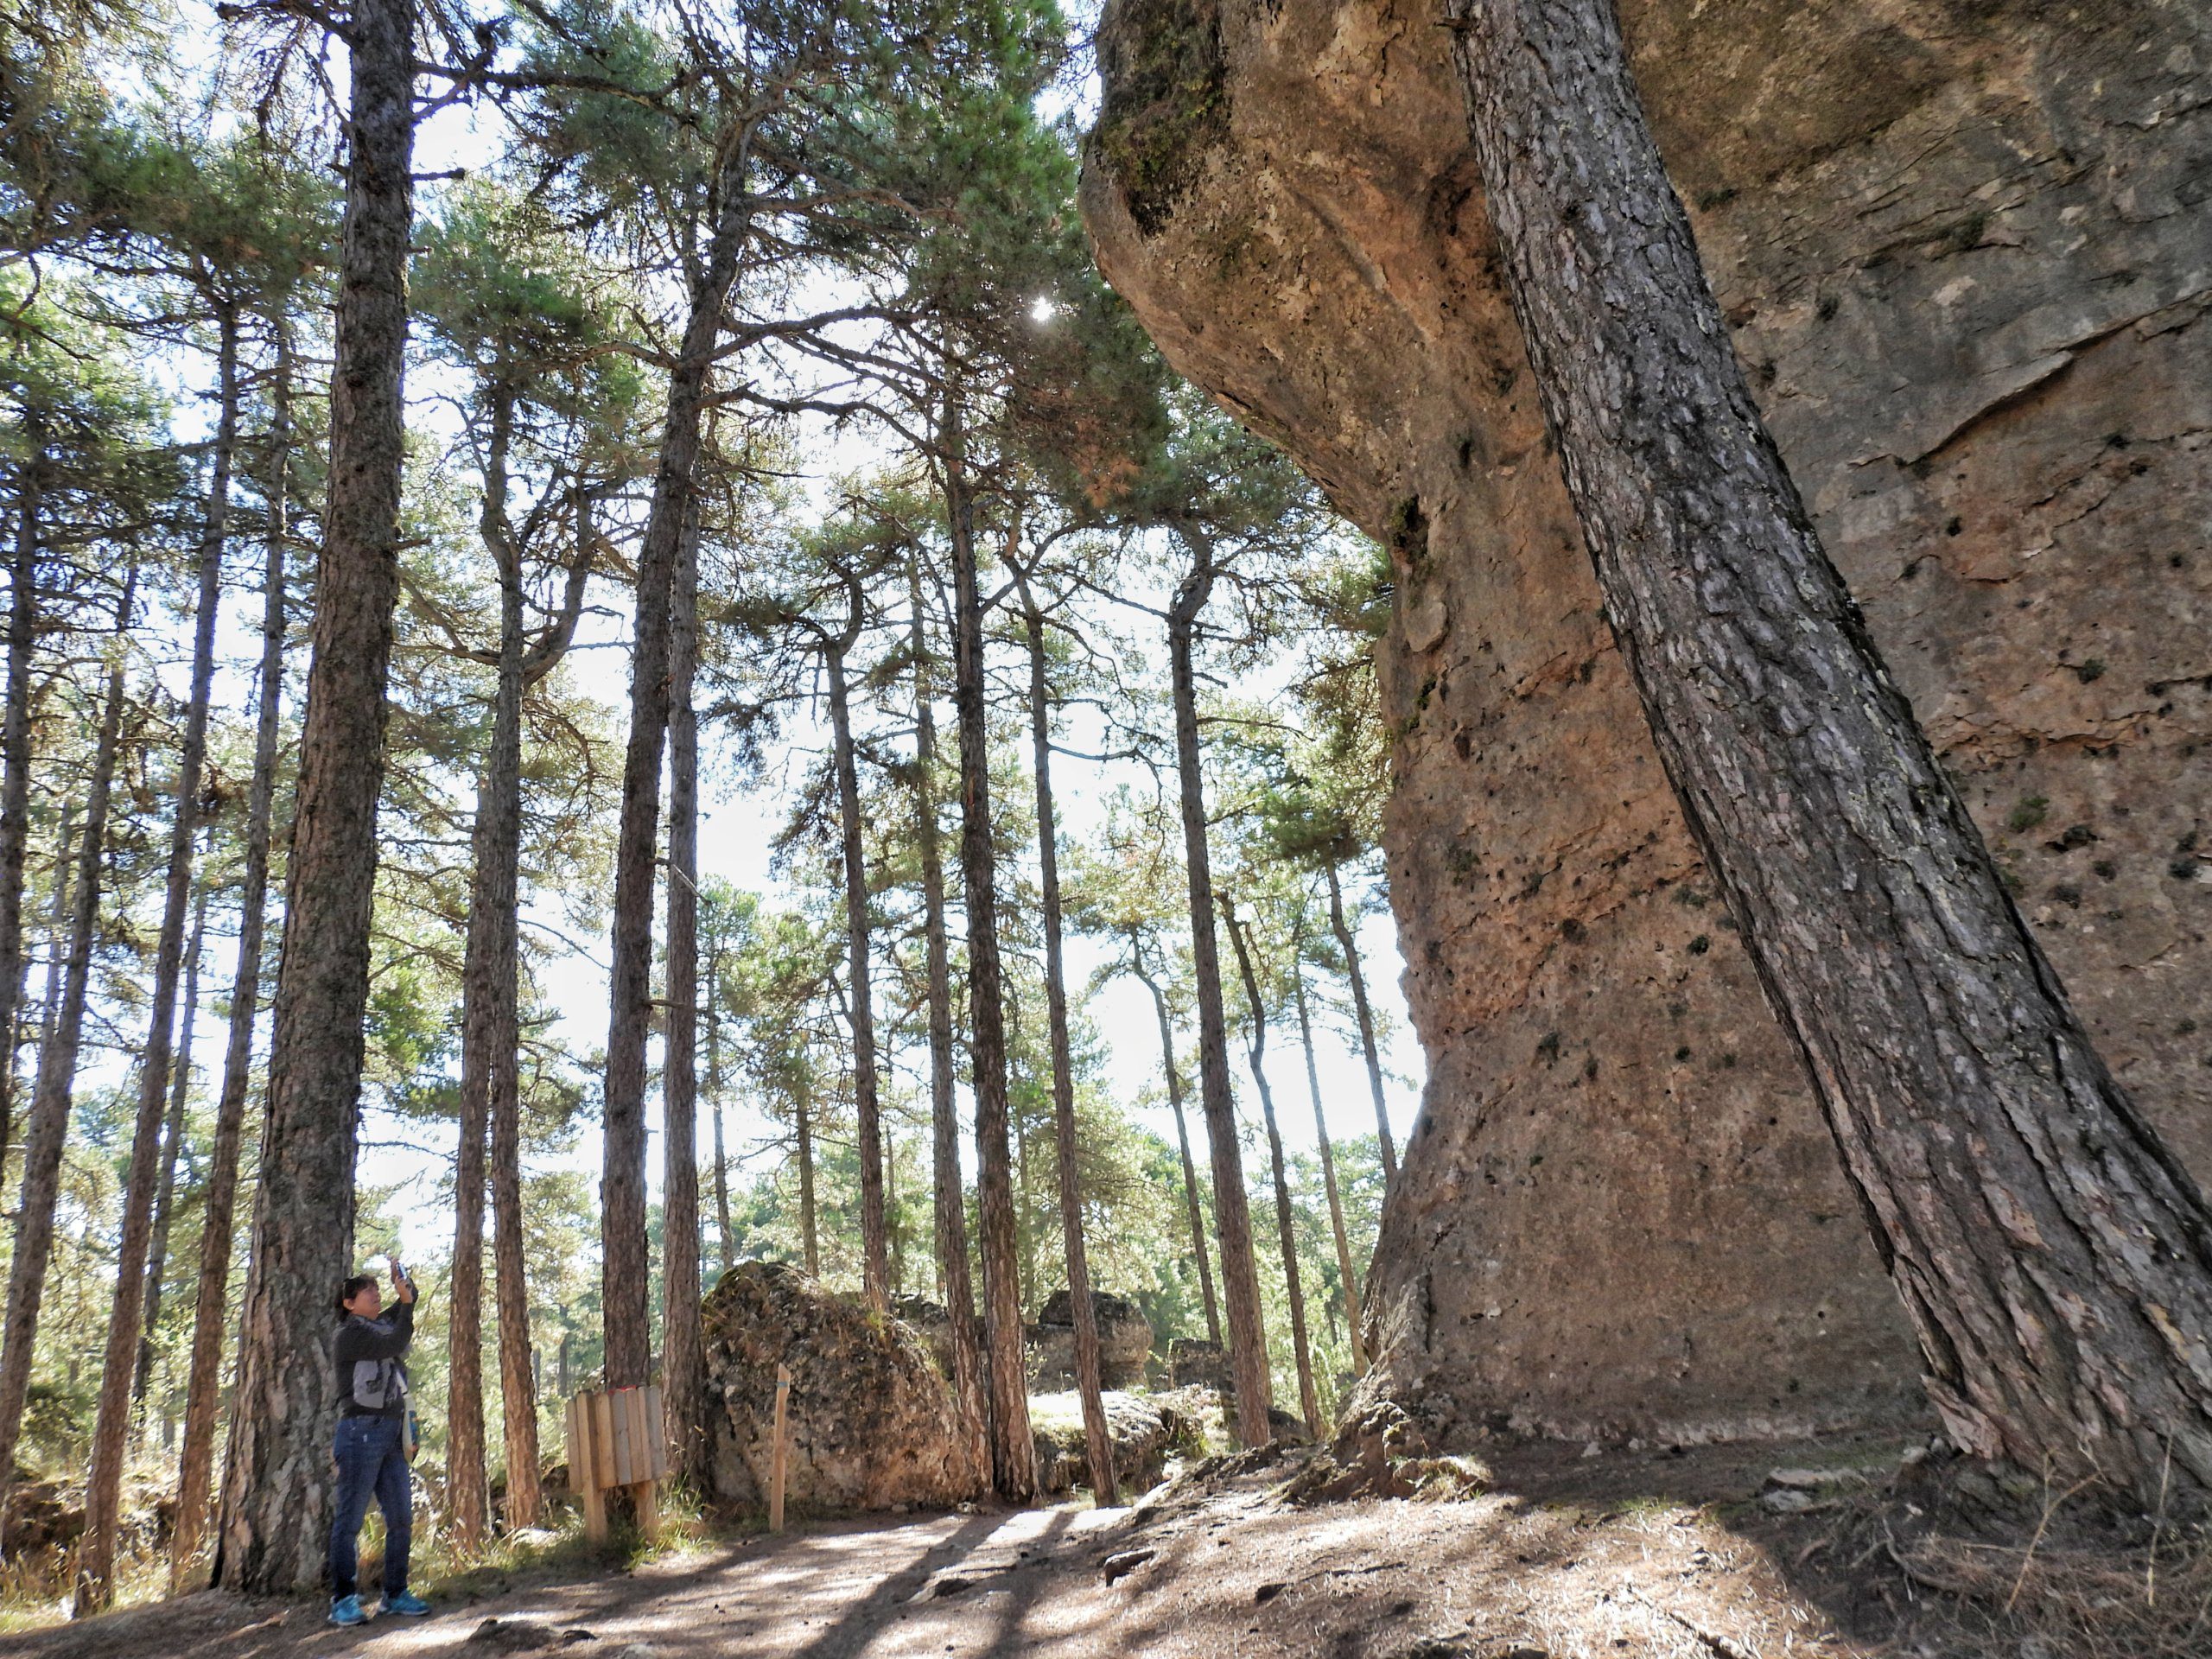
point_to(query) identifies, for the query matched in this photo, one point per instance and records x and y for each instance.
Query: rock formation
(872, 1423)
(1965, 248)
(1124, 1342)
(1146, 1430)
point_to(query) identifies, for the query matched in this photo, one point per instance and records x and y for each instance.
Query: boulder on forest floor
(1146, 1431)
(1195, 1361)
(1124, 1342)
(871, 1421)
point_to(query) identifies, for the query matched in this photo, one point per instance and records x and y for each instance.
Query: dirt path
(1227, 1573)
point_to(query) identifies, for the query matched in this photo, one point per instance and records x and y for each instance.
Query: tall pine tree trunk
(809, 1215)
(1182, 1143)
(949, 1208)
(517, 1367)
(211, 1301)
(683, 1354)
(1329, 1180)
(15, 756)
(1097, 1439)
(57, 938)
(1365, 1016)
(51, 1100)
(1286, 1223)
(111, 1423)
(1232, 1214)
(2054, 1256)
(624, 1269)
(874, 1247)
(276, 1490)
(487, 1017)
(1013, 1452)
(157, 1254)
(727, 1248)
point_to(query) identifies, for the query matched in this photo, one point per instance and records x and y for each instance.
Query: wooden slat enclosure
(618, 1439)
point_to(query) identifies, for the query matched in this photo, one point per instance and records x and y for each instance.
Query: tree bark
(211, 1301)
(1248, 1345)
(488, 1028)
(948, 1191)
(623, 1268)
(1182, 1145)
(157, 1254)
(112, 1427)
(684, 1353)
(1365, 1016)
(809, 1216)
(276, 1490)
(715, 1099)
(2054, 1256)
(874, 1244)
(16, 760)
(57, 940)
(1286, 1225)
(503, 1070)
(51, 1100)
(1013, 1452)
(1329, 1181)
(1097, 1438)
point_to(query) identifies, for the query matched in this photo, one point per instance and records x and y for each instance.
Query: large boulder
(1124, 1342)
(1198, 1363)
(872, 1423)
(1964, 248)
(1144, 1430)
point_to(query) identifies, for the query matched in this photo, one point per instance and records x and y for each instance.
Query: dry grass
(2050, 1602)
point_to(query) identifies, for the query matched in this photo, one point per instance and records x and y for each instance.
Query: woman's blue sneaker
(413, 1606)
(346, 1609)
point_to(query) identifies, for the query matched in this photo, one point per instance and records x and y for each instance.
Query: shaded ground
(1656, 1556)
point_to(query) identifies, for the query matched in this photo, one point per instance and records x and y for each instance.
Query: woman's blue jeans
(370, 1464)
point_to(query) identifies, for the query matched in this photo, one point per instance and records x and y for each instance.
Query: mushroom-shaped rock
(1124, 1342)
(871, 1421)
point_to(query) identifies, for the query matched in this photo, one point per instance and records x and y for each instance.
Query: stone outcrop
(872, 1423)
(1145, 1430)
(1196, 1362)
(1124, 1342)
(1965, 247)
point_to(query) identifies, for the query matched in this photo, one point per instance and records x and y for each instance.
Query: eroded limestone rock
(1124, 1342)
(872, 1423)
(1965, 251)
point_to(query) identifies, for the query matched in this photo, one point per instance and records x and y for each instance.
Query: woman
(370, 1443)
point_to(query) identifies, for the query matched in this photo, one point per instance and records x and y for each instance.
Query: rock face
(932, 1323)
(1965, 248)
(1195, 1361)
(872, 1422)
(1124, 1342)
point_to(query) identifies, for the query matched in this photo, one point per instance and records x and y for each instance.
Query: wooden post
(583, 1469)
(777, 1456)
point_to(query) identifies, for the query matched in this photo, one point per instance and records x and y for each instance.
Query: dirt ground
(1658, 1555)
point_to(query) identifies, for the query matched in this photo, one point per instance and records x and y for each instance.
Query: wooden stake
(777, 1456)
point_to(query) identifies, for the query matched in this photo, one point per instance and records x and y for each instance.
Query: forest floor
(1668, 1555)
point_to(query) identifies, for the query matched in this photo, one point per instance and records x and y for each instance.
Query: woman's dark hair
(350, 1289)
